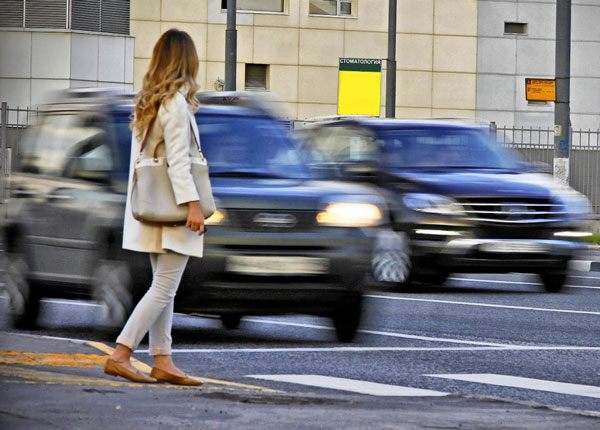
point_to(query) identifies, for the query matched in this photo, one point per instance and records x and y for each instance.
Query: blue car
(458, 201)
(280, 242)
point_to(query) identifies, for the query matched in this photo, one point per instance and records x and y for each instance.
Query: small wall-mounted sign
(359, 86)
(540, 90)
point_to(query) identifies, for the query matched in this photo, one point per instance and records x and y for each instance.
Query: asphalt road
(477, 339)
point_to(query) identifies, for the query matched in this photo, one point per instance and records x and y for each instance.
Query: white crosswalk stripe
(526, 383)
(351, 385)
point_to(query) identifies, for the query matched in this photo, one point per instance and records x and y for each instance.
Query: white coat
(174, 125)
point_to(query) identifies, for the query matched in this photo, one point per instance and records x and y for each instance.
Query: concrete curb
(585, 265)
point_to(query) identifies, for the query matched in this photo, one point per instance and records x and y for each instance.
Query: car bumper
(498, 255)
(316, 271)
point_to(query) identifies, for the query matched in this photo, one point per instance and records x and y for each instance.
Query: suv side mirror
(363, 170)
(86, 169)
(325, 170)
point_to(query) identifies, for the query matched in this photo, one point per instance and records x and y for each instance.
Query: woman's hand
(195, 219)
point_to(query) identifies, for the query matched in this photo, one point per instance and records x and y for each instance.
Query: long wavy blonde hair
(174, 64)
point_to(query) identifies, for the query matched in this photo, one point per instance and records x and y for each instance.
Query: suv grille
(271, 220)
(503, 210)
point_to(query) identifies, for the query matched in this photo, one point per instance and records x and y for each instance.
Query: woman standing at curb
(164, 112)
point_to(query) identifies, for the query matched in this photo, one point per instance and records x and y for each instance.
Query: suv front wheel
(553, 282)
(346, 318)
(23, 301)
(391, 261)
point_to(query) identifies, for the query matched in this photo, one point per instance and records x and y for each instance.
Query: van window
(51, 146)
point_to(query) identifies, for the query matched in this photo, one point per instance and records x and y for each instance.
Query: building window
(515, 28)
(256, 5)
(330, 7)
(256, 77)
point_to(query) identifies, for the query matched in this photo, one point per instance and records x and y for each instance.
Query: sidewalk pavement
(50, 383)
(53, 360)
(587, 260)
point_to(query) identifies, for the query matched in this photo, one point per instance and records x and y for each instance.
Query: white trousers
(154, 312)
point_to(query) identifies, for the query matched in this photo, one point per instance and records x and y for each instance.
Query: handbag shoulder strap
(192, 118)
(148, 131)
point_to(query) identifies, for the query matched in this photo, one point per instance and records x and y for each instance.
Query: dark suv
(459, 202)
(280, 241)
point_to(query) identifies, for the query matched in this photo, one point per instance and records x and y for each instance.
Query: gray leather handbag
(152, 197)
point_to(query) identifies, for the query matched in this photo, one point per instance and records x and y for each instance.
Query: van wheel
(346, 319)
(23, 300)
(391, 261)
(231, 321)
(553, 282)
(113, 290)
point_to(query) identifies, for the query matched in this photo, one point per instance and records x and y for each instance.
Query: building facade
(50, 45)
(516, 42)
(292, 48)
(455, 58)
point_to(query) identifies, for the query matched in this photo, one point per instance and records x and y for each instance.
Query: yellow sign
(543, 90)
(359, 86)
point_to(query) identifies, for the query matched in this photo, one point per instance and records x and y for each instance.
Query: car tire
(23, 300)
(113, 290)
(391, 261)
(346, 319)
(438, 278)
(231, 321)
(553, 282)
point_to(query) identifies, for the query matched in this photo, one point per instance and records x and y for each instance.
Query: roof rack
(85, 98)
(263, 102)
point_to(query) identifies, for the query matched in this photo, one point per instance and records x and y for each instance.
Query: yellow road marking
(52, 359)
(145, 368)
(53, 378)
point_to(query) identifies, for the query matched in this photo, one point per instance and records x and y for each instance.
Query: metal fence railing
(537, 145)
(14, 124)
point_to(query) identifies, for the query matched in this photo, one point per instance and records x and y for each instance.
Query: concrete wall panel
(84, 57)
(493, 14)
(15, 54)
(495, 92)
(457, 17)
(51, 55)
(495, 55)
(415, 16)
(454, 54)
(111, 59)
(321, 47)
(454, 91)
(535, 58)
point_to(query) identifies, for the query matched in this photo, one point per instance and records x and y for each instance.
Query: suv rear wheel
(23, 300)
(113, 290)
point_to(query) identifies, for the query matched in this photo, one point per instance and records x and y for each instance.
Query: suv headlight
(433, 204)
(346, 214)
(574, 204)
(217, 218)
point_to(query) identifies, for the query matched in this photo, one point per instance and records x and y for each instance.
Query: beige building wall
(436, 50)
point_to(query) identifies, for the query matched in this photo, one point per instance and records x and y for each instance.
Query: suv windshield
(249, 147)
(444, 148)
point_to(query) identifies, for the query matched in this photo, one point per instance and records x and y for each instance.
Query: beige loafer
(114, 368)
(162, 376)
